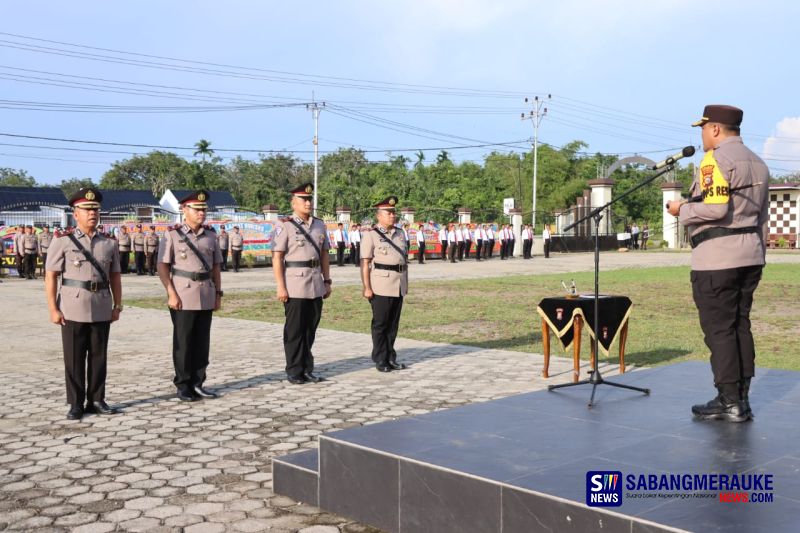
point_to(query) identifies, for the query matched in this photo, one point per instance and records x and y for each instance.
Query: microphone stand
(597, 214)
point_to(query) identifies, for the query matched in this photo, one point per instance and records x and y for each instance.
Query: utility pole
(315, 108)
(535, 116)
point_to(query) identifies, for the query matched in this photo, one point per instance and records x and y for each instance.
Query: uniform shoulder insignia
(65, 232)
(285, 219)
(176, 226)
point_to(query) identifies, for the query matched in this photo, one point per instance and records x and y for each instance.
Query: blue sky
(625, 76)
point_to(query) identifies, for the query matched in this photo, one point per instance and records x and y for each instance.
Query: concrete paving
(164, 465)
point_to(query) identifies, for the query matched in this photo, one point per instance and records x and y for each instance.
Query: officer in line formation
(301, 267)
(384, 274)
(729, 229)
(237, 245)
(189, 262)
(151, 251)
(224, 242)
(124, 246)
(88, 300)
(354, 237)
(138, 250)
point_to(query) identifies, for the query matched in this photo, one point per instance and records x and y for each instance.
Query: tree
(71, 186)
(10, 177)
(156, 171)
(203, 148)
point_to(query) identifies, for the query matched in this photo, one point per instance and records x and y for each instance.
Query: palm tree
(203, 148)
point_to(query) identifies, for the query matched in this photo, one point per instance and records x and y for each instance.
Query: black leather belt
(394, 268)
(311, 263)
(194, 276)
(713, 233)
(91, 286)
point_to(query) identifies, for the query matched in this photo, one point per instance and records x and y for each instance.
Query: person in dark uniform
(301, 266)
(384, 274)
(223, 239)
(45, 240)
(189, 268)
(138, 250)
(89, 300)
(237, 245)
(728, 234)
(124, 244)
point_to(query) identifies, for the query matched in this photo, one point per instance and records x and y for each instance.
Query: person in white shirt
(460, 242)
(526, 242)
(443, 241)
(478, 238)
(452, 248)
(503, 242)
(546, 241)
(341, 244)
(420, 244)
(355, 244)
(490, 233)
(635, 235)
(467, 233)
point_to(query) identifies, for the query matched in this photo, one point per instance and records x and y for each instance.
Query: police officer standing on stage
(124, 245)
(237, 245)
(189, 268)
(151, 250)
(728, 235)
(224, 243)
(386, 283)
(138, 250)
(90, 299)
(45, 240)
(301, 266)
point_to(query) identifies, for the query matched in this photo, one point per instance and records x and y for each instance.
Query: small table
(567, 316)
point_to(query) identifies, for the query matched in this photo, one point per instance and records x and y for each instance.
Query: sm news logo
(603, 488)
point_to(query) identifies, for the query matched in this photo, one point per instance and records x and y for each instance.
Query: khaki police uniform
(45, 240)
(19, 251)
(237, 245)
(124, 244)
(224, 244)
(30, 247)
(389, 280)
(151, 252)
(306, 287)
(138, 252)
(195, 287)
(86, 303)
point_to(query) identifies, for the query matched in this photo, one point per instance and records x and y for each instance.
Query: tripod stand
(597, 215)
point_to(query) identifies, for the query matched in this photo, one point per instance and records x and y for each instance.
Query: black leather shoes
(312, 378)
(720, 408)
(383, 368)
(297, 380)
(205, 394)
(187, 396)
(396, 366)
(101, 408)
(75, 412)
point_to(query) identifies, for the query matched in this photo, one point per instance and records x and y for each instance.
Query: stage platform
(519, 464)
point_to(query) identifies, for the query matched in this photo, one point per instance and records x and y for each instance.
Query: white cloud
(782, 150)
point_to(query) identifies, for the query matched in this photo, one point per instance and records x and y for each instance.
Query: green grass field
(501, 313)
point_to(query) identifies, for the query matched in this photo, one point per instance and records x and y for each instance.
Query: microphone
(688, 151)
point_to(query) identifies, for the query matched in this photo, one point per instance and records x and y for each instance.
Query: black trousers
(546, 248)
(461, 250)
(224, 259)
(124, 257)
(237, 259)
(152, 259)
(478, 249)
(139, 257)
(340, 246)
(467, 246)
(421, 253)
(20, 264)
(299, 332)
(191, 336)
(44, 263)
(451, 252)
(724, 299)
(85, 347)
(526, 248)
(444, 251)
(491, 247)
(353, 259)
(503, 249)
(385, 322)
(29, 264)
